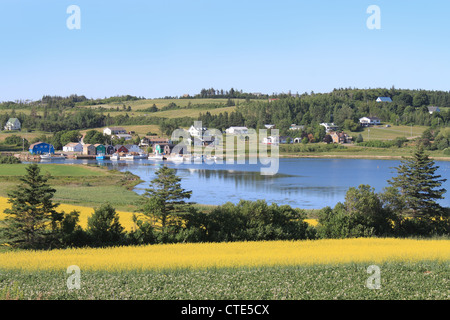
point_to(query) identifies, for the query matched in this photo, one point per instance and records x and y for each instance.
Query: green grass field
(390, 133)
(57, 170)
(79, 184)
(399, 281)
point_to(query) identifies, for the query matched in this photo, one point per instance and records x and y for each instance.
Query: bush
(104, 227)
(9, 160)
(255, 221)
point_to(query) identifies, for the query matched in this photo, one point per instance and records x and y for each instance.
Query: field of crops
(231, 255)
(326, 270)
(85, 212)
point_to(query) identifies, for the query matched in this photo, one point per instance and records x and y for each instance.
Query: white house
(73, 147)
(237, 130)
(296, 127)
(329, 126)
(269, 126)
(432, 110)
(384, 99)
(271, 140)
(12, 124)
(196, 131)
(114, 131)
(369, 121)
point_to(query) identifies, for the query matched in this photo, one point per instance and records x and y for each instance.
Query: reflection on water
(303, 183)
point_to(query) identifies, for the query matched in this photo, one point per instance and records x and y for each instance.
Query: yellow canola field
(234, 254)
(85, 212)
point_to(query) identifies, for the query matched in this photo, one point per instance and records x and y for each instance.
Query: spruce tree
(32, 221)
(104, 227)
(165, 197)
(420, 187)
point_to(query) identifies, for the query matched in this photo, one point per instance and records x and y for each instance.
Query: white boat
(48, 156)
(176, 158)
(128, 157)
(213, 159)
(188, 159)
(141, 155)
(156, 157)
(114, 157)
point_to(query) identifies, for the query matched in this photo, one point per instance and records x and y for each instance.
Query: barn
(41, 148)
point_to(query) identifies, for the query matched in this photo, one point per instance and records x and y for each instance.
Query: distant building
(384, 99)
(369, 121)
(271, 140)
(163, 148)
(114, 131)
(340, 137)
(296, 127)
(196, 131)
(121, 149)
(237, 130)
(89, 149)
(41, 148)
(100, 149)
(146, 142)
(110, 149)
(73, 147)
(432, 110)
(13, 124)
(329, 126)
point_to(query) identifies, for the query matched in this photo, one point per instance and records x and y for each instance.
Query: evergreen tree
(104, 227)
(165, 198)
(420, 189)
(32, 221)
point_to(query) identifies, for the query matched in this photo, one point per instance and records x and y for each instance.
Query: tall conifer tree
(32, 220)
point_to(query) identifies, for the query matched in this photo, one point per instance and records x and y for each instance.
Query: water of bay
(300, 182)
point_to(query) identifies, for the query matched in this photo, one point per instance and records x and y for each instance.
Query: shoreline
(347, 156)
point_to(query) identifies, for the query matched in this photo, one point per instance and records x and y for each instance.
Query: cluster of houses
(197, 133)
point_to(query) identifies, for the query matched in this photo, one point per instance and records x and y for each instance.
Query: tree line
(341, 106)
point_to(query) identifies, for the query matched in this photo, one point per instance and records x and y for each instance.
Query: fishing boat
(128, 157)
(141, 155)
(211, 159)
(49, 156)
(156, 157)
(177, 158)
(114, 157)
(100, 156)
(188, 158)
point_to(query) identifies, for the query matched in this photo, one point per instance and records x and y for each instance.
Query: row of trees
(407, 207)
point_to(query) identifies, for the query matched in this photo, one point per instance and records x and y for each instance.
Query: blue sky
(171, 47)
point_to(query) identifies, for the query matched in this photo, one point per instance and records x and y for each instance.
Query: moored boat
(156, 157)
(128, 157)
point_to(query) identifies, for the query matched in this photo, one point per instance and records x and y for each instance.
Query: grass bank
(82, 185)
